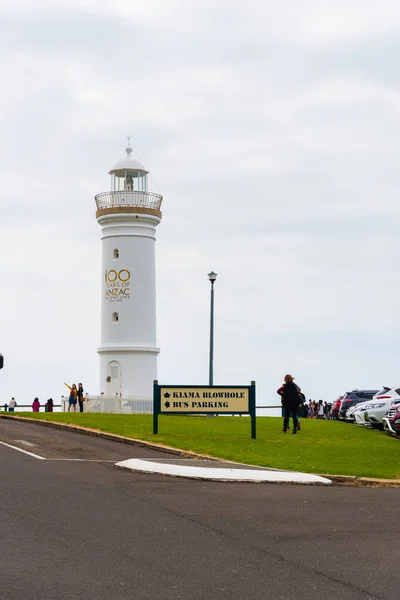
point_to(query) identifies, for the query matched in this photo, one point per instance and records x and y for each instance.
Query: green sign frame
(190, 401)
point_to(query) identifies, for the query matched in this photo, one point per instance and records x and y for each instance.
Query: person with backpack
(291, 399)
(279, 391)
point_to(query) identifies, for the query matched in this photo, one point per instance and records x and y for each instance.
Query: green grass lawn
(324, 447)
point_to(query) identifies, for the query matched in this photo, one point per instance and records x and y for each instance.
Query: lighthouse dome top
(129, 190)
(129, 165)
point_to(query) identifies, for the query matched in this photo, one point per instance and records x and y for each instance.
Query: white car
(360, 411)
(350, 412)
(380, 404)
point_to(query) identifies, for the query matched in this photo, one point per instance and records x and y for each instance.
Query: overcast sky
(272, 129)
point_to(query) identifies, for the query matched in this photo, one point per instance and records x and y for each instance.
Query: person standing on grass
(290, 394)
(299, 408)
(280, 392)
(80, 397)
(320, 410)
(73, 395)
(11, 405)
(36, 405)
(316, 409)
(48, 407)
(326, 410)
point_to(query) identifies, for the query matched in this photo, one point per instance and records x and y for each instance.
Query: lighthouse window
(115, 317)
(116, 253)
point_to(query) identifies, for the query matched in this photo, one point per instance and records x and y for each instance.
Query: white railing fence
(112, 404)
(128, 198)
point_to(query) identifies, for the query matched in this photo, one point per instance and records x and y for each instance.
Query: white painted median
(221, 474)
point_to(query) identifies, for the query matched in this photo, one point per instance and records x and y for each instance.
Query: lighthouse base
(128, 371)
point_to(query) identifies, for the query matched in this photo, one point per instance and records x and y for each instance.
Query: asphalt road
(75, 527)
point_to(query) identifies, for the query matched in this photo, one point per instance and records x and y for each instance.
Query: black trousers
(293, 411)
(80, 405)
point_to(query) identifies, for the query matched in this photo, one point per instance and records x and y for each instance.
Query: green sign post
(197, 399)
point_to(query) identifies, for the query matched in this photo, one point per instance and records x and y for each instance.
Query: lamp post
(212, 277)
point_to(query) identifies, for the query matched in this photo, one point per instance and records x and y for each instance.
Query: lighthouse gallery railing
(128, 198)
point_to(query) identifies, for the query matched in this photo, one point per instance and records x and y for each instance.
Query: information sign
(179, 399)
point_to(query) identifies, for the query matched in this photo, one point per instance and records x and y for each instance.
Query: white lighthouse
(128, 216)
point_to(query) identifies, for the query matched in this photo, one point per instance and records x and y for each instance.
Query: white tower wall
(128, 344)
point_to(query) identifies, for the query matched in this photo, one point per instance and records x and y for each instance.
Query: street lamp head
(212, 276)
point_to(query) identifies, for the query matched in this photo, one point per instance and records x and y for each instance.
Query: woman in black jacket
(80, 397)
(291, 399)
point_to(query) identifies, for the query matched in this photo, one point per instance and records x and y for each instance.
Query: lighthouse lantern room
(128, 216)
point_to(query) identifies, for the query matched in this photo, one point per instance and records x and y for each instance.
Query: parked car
(351, 411)
(354, 397)
(336, 407)
(381, 403)
(391, 422)
(359, 411)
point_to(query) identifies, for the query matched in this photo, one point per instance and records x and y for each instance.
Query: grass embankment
(325, 447)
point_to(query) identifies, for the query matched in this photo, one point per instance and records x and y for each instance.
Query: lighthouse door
(114, 387)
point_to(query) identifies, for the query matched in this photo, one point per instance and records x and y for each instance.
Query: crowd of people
(48, 407)
(76, 396)
(316, 409)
